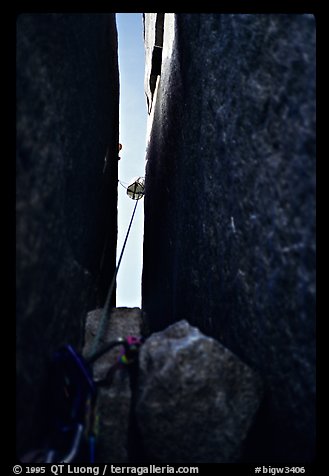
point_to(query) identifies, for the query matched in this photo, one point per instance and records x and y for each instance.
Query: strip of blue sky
(133, 117)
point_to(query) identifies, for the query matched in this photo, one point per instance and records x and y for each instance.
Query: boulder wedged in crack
(196, 400)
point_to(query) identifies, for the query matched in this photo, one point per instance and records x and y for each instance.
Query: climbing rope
(103, 320)
(123, 184)
(135, 190)
(72, 395)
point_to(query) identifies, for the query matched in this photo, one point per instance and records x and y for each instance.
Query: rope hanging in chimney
(135, 191)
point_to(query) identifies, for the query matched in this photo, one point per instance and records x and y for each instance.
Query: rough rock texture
(229, 239)
(67, 122)
(196, 399)
(114, 400)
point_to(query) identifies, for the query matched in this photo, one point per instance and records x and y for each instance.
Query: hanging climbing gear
(71, 396)
(136, 189)
(131, 348)
(127, 356)
(72, 392)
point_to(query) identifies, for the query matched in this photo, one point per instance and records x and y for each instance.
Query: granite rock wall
(66, 181)
(229, 239)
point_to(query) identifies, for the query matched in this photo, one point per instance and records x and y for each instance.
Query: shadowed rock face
(196, 399)
(114, 400)
(229, 239)
(67, 122)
